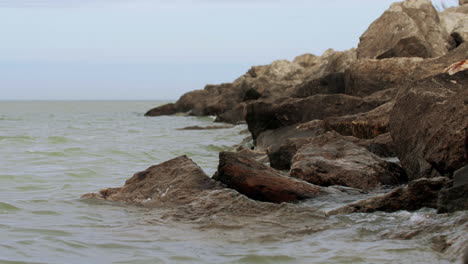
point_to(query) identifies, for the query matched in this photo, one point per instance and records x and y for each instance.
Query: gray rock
(453, 199)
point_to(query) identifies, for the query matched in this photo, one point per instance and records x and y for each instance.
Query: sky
(160, 49)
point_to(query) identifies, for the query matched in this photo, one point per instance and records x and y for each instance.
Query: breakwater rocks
(392, 113)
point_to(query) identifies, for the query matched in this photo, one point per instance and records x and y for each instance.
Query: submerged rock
(205, 127)
(429, 124)
(410, 28)
(260, 182)
(331, 159)
(174, 182)
(418, 194)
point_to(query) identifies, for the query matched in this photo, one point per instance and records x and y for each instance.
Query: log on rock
(332, 159)
(175, 182)
(260, 182)
(418, 194)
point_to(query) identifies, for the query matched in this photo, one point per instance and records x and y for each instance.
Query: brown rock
(260, 182)
(367, 76)
(175, 182)
(418, 194)
(332, 159)
(205, 127)
(429, 124)
(265, 115)
(407, 29)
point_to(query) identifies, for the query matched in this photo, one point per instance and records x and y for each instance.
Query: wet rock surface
(260, 182)
(418, 194)
(331, 159)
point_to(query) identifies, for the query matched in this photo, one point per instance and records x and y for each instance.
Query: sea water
(52, 152)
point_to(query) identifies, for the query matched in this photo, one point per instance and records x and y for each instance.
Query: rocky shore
(391, 114)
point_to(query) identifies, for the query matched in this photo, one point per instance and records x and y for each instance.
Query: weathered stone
(407, 29)
(175, 182)
(455, 20)
(367, 76)
(460, 177)
(260, 182)
(332, 159)
(429, 124)
(362, 125)
(167, 109)
(330, 84)
(453, 199)
(418, 194)
(266, 115)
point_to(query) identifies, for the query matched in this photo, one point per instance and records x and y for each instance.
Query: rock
(455, 20)
(272, 139)
(463, 2)
(453, 199)
(265, 115)
(418, 194)
(280, 156)
(429, 124)
(260, 182)
(460, 177)
(175, 182)
(329, 62)
(362, 125)
(167, 109)
(332, 159)
(330, 84)
(407, 29)
(233, 116)
(367, 76)
(205, 127)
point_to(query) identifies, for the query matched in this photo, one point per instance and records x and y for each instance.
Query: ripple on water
(57, 140)
(21, 139)
(6, 207)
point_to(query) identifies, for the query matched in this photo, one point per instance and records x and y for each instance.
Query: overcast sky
(159, 49)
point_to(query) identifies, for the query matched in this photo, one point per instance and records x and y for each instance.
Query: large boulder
(455, 20)
(367, 76)
(260, 182)
(281, 155)
(331, 159)
(407, 29)
(175, 182)
(429, 124)
(264, 115)
(453, 199)
(418, 194)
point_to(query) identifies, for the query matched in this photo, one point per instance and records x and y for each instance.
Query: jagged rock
(281, 155)
(330, 84)
(332, 159)
(460, 177)
(362, 125)
(455, 20)
(175, 182)
(418, 194)
(407, 29)
(275, 80)
(266, 115)
(453, 199)
(367, 76)
(429, 124)
(260, 182)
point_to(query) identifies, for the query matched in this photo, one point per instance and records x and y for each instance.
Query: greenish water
(53, 152)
